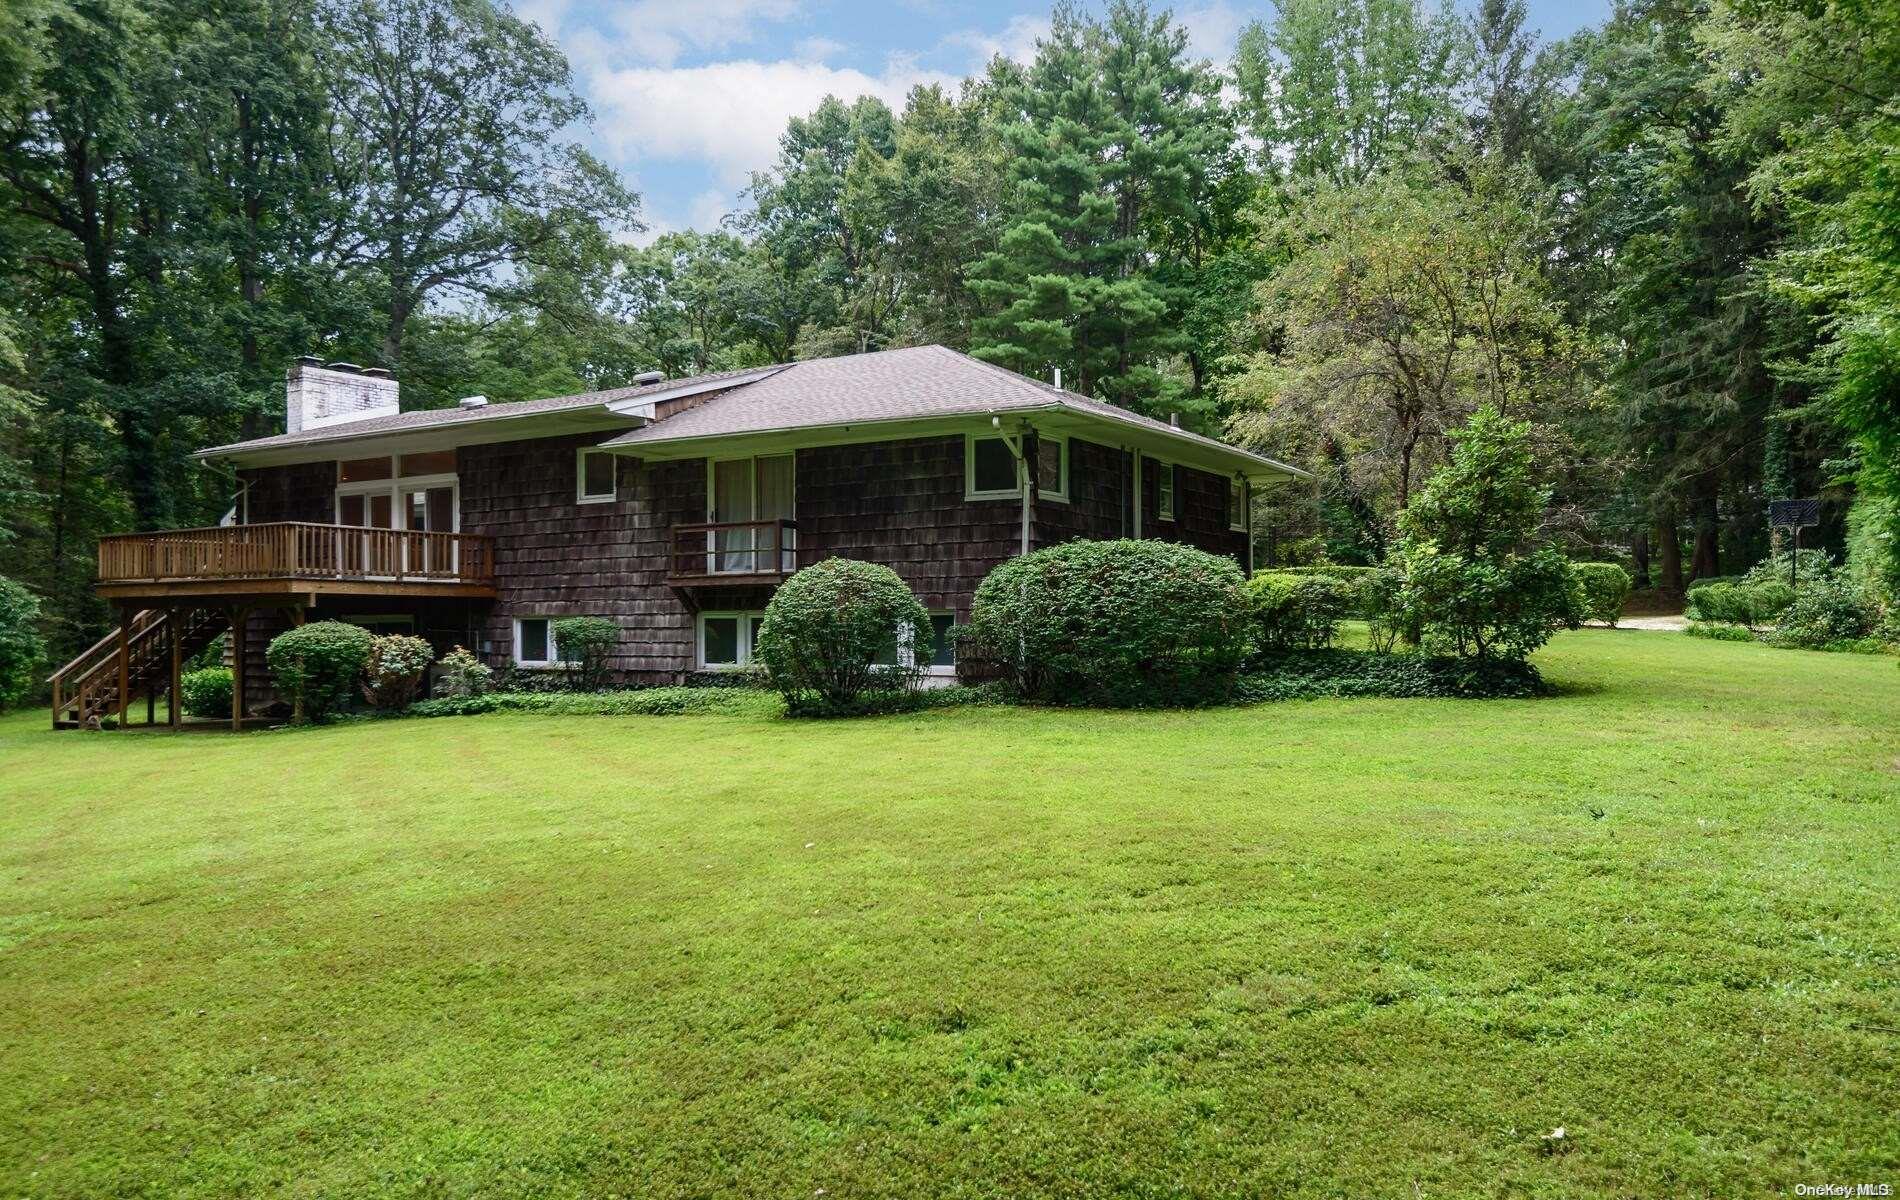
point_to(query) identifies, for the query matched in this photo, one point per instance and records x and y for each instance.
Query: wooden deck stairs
(103, 683)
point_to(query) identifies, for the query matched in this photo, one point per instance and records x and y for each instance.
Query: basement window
(726, 639)
(534, 642)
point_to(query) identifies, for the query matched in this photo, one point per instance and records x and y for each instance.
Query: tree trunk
(1669, 548)
(1708, 536)
(1639, 558)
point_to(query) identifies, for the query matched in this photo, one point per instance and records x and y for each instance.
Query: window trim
(950, 669)
(553, 662)
(970, 491)
(745, 617)
(395, 487)
(1238, 500)
(581, 494)
(1061, 496)
(1165, 470)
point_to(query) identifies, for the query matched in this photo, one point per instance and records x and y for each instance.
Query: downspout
(1246, 506)
(241, 499)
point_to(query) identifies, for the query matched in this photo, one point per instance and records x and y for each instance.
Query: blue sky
(691, 95)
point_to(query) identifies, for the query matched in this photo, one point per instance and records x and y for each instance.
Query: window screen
(943, 646)
(994, 466)
(597, 475)
(1049, 474)
(721, 647)
(534, 640)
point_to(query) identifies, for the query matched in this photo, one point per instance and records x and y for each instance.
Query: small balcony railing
(296, 550)
(733, 553)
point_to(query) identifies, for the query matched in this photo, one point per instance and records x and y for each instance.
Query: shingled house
(674, 506)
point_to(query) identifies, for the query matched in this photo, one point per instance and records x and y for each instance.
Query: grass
(1338, 948)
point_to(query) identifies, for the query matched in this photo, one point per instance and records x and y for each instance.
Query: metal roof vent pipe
(1174, 419)
(647, 377)
(472, 402)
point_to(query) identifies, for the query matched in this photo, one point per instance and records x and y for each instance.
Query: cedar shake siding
(900, 503)
(558, 558)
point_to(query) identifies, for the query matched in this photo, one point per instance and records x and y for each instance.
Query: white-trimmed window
(989, 469)
(941, 656)
(943, 643)
(726, 639)
(1237, 504)
(1052, 468)
(406, 491)
(594, 477)
(1164, 491)
(534, 642)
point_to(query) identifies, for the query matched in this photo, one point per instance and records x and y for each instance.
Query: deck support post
(125, 661)
(239, 616)
(174, 618)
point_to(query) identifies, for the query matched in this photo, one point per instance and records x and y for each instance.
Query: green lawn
(1368, 948)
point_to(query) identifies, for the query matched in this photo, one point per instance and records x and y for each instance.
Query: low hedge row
(644, 702)
(690, 701)
(1314, 674)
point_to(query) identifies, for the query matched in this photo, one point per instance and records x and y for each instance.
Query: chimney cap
(646, 377)
(309, 360)
(352, 368)
(377, 372)
(472, 402)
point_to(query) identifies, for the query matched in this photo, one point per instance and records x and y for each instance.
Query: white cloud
(729, 115)
(1016, 41)
(659, 31)
(1213, 30)
(817, 49)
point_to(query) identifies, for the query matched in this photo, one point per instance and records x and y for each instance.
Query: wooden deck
(736, 554)
(291, 558)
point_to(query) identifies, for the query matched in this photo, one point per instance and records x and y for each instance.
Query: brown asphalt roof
(890, 385)
(430, 418)
(913, 383)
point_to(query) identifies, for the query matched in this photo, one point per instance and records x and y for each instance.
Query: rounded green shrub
(1297, 612)
(393, 673)
(205, 693)
(460, 675)
(1361, 583)
(1826, 611)
(22, 651)
(826, 628)
(1605, 587)
(584, 644)
(1117, 623)
(316, 666)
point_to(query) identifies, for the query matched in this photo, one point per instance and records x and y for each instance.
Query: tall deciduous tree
(1333, 89)
(453, 119)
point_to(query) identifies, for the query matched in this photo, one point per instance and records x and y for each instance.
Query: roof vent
(1174, 419)
(472, 402)
(646, 377)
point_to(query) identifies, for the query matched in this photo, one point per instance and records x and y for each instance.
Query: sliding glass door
(751, 495)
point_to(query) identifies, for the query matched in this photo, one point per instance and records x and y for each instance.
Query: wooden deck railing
(746, 550)
(296, 550)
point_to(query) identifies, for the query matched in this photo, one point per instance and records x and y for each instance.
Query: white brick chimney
(316, 395)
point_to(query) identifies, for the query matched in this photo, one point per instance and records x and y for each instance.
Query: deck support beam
(125, 662)
(175, 619)
(240, 615)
